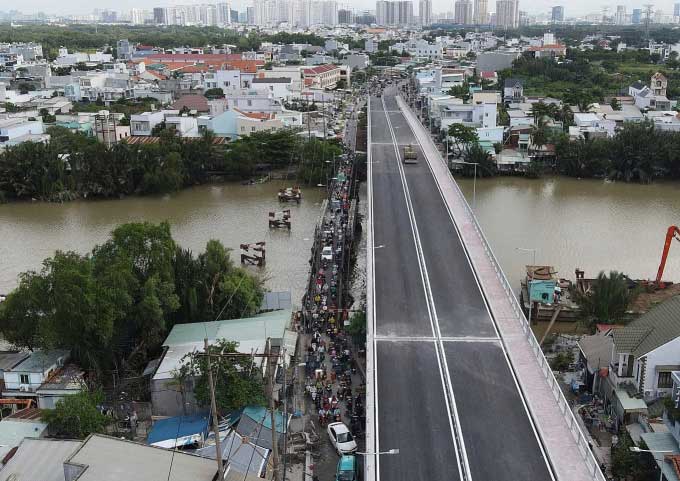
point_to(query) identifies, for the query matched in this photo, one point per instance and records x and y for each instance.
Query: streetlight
(391, 451)
(635, 449)
(474, 181)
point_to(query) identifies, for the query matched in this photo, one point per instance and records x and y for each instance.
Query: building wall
(167, 400)
(666, 355)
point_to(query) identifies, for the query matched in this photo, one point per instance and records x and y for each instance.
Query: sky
(572, 7)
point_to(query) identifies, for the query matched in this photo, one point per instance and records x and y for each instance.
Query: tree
(629, 465)
(22, 311)
(539, 110)
(214, 93)
(477, 154)
(357, 327)
(609, 298)
(615, 104)
(238, 380)
(76, 416)
(461, 91)
(539, 135)
(462, 135)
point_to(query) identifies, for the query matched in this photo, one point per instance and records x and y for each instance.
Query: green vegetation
(462, 136)
(76, 416)
(238, 380)
(562, 361)
(73, 165)
(114, 306)
(632, 466)
(637, 153)
(608, 299)
(88, 37)
(357, 327)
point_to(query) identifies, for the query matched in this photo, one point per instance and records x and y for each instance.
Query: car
(327, 253)
(347, 469)
(342, 438)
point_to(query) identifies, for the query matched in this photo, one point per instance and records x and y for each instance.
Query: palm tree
(539, 134)
(609, 298)
(566, 116)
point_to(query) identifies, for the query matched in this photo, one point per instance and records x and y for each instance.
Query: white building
(507, 13)
(144, 123)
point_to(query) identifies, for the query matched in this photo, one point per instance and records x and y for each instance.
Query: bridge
(456, 379)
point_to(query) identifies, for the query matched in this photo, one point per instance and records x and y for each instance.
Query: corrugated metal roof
(239, 454)
(39, 460)
(651, 330)
(10, 359)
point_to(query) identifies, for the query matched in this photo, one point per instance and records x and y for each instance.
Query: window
(24, 379)
(665, 380)
(250, 103)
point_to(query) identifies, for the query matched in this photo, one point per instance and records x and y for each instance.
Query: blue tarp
(178, 427)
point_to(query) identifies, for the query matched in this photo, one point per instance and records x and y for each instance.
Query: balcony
(625, 378)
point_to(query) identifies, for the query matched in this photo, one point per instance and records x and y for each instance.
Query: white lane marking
(370, 296)
(520, 391)
(491, 340)
(454, 422)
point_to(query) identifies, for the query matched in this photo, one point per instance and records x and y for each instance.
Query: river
(574, 223)
(231, 213)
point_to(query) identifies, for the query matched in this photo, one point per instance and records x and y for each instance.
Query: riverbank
(230, 212)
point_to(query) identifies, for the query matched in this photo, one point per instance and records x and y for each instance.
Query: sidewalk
(566, 447)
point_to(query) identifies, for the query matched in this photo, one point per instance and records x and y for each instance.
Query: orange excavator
(672, 233)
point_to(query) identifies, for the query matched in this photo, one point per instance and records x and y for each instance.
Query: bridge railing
(565, 407)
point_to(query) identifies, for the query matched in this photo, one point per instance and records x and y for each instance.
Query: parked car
(347, 469)
(342, 438)
(327, 253)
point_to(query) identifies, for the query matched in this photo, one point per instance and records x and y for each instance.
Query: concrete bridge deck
(456, 379)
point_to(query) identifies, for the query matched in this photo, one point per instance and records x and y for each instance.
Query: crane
(672, 233)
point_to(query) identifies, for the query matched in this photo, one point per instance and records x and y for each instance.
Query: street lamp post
(474, 180)
(635, 449)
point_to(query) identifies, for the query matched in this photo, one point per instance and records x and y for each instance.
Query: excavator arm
(672, 233)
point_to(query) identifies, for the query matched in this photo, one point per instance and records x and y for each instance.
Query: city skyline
(85, 7)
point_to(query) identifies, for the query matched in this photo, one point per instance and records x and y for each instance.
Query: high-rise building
(160, 16)
(676, 10)
(250, 15)
(558, 14)
(224, 14)
(394, 12)
(620, 18)
(463, 12)
(481, 12)
(636, 17)
(345, 16)
(425, 12)
(507, 13)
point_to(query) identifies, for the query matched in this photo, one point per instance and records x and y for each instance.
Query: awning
(630, 404)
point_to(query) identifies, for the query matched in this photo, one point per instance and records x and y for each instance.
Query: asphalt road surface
(446, 396)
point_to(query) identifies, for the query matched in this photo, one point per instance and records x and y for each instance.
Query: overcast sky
(572, 7)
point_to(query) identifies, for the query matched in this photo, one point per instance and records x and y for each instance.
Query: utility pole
(271, 367)
(213, 407)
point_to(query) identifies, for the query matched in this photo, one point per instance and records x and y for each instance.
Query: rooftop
(39, 361)
(39, 459)
(70, 377)
(9, 359)
(651, 330)
(103, 458)
(251, 333)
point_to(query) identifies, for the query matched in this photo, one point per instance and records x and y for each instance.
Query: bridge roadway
(446, 396)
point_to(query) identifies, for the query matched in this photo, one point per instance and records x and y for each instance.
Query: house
(513, 91)
(9, 360)
(589, 125)
(39, 459)
(63, 382)
(15, 131)
(26, 423)
(190, 102)
(645, 99)
(25, 378)
(644, 355)
(104, 458)
(322, 76)
(184, 125)
(490, 77)
(658, 84)
(144, 123)
(251, 333)
(279, 87)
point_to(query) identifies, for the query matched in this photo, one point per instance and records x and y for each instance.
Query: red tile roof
(192, 102)
(319, 69)
(489, 75)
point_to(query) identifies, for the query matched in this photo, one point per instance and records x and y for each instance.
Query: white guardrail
(564, 406)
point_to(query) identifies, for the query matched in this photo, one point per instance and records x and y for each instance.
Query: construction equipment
(673, 232)
(410, 156)
(257, 258)
(279, 220)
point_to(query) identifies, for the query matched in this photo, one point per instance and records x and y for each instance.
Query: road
(446, 396)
